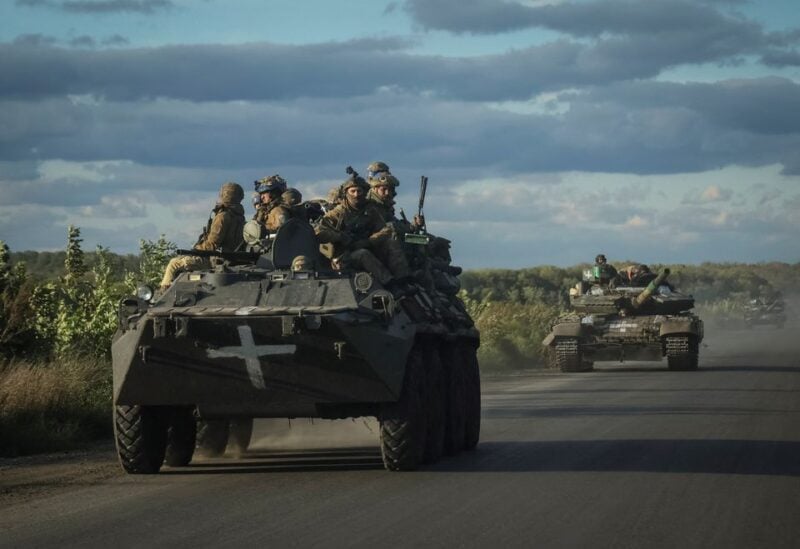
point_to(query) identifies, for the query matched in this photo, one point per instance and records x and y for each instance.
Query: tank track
(568, 356)
(682, 352)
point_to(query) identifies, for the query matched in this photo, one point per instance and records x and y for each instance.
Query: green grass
(54, 406)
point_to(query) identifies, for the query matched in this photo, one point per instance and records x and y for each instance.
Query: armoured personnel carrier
(645, 319)
(263, 335)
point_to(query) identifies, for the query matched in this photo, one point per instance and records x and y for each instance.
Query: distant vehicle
(643, 318)
(255, 337)
(765, 311)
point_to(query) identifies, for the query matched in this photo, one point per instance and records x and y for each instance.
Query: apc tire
(435, 403)
(453, 367)
(472, 393)
(181, 437)
(241, 432)
(212, 437)
(404, 423)
(140, 434)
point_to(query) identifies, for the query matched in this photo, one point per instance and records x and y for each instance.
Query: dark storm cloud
(100, 6)
(624, 17)
(781, 58)
(33, 40)
(634, 128)
(83, 41)
(360, 67)
(766, 106)
(115, 40)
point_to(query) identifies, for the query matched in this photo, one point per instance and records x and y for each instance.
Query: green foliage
(153, 259)
(16, 333)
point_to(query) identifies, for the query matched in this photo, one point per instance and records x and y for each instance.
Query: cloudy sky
(657, 130)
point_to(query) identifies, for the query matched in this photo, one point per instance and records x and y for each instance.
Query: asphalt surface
(629, 455)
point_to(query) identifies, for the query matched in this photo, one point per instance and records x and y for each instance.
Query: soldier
(223, 232)
(273, 212)
(382, 191)
(605, 273)
(357, 233)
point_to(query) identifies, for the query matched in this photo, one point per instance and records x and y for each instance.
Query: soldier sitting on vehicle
(637, 275)
(359, 236)
(274, 211)
(223, 232)
(603, 272)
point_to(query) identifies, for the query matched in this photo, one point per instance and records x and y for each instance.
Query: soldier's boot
(365, 260)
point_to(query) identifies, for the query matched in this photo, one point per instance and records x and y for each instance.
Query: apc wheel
(140, 433)
(212, 437)
(181, 437)
(241, 431)
(472, 394)
(682, 352)
(568, 356)
(404, 423)
(455, 399)
(435, 404)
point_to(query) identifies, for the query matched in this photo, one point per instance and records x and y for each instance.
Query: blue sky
(655, 130)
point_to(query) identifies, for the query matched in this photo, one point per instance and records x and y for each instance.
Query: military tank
(645, 319)
(254, 337)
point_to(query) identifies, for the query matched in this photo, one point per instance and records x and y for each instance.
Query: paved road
(627, 456)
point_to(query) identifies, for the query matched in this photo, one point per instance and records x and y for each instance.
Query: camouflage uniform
(278, 210)
(273, 215)
(223, 232)
(357, 232)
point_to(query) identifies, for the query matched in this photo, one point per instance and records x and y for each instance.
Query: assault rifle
(235, 257)
(420, 234)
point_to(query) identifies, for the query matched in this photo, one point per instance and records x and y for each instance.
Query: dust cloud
(308, 434)
(730, 342)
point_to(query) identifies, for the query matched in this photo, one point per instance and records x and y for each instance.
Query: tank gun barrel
(642, 298)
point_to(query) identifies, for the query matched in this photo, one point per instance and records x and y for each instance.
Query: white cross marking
(250, 353)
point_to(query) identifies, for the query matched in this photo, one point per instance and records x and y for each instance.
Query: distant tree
(16, 331)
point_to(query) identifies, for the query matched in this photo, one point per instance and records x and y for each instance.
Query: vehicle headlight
(144, 292)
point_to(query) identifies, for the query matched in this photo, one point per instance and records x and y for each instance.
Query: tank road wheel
(682, 352)
(212, 437)
(568, 356)
(241, 431)
(435, 403)
(472, 394)
(455, 399)
(181, 437)
(404, 423)
(140, 433)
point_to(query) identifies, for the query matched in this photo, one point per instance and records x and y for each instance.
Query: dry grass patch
(53, 406)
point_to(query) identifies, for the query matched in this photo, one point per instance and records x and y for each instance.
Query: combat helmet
(384, 178)
(376, 168)
(270, 184)
(231, 193)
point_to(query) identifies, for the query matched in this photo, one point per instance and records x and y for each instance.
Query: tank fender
(681, 326)
(567, 329)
